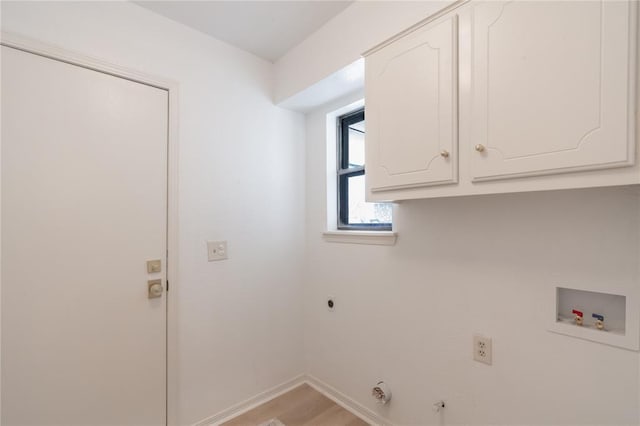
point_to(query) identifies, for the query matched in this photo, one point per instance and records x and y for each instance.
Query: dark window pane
(353, 211)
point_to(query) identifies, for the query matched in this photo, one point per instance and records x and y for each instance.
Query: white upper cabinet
(504, 96)
(411, 110)
(550, 87)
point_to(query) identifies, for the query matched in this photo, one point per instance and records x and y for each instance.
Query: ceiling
(266, 28)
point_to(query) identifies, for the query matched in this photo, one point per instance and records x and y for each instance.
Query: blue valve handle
(598, 317)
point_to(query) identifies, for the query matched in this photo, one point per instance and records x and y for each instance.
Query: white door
(84, 206)
(411, 106)
(551, 87)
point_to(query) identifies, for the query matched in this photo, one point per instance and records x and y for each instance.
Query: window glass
(356, 144)
(361, 212)
(353, 211)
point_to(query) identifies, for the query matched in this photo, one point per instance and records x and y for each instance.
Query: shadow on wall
(513, 228)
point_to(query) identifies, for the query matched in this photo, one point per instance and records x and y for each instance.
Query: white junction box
(217, 250)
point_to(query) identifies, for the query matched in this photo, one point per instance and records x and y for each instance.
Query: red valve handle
(578, 313)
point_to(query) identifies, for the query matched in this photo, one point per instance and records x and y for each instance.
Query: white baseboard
(330, 392)
(345, 402)
(248, 404)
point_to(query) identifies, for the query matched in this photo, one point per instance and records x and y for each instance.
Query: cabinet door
(411, 106)
(551, 89)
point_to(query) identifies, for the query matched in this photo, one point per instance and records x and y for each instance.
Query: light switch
(154, 266)
(217, 250)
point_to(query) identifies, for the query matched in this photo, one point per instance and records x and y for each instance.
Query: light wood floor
(302, 406)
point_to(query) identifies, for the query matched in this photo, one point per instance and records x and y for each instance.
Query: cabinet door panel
(551, 87)
(411, 110)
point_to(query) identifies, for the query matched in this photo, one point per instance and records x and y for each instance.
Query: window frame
(344, 172)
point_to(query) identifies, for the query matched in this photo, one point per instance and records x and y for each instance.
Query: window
(353, 211)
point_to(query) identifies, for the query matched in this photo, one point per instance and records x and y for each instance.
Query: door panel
(550, 87)
(84, 201)
(412, 110)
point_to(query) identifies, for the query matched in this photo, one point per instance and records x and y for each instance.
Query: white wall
(239, 321)
(343, 39)
(465, 265)
(406, 313)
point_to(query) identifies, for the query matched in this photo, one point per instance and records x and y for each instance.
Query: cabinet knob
(444, 153)
(479, 147)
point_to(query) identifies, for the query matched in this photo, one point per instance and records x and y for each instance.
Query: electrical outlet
(482, 349)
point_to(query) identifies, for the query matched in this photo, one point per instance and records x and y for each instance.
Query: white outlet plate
(482, 351)
(217, 250)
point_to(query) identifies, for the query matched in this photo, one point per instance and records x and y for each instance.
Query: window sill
(383, 238)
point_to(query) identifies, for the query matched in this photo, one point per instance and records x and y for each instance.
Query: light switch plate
(217, 250)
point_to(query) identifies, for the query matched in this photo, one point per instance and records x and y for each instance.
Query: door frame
(63, 55)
